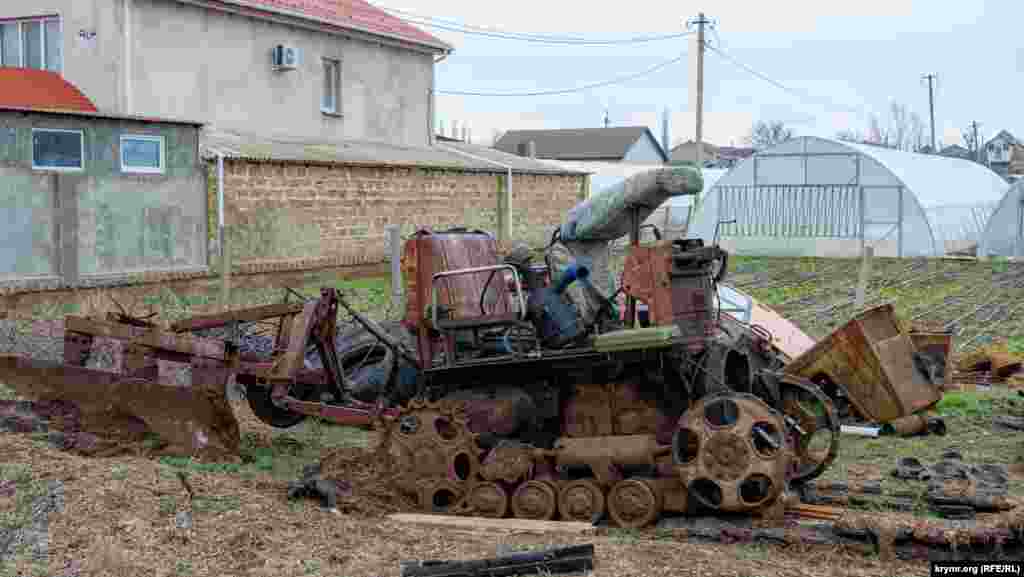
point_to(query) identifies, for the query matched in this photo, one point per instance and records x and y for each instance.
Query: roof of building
(1003, 135)
(352, 14)
(734, 152)
(28, 88)
(449, 155)
(605, 143)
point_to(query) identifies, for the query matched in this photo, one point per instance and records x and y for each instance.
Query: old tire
(366, 362)
(259, 401)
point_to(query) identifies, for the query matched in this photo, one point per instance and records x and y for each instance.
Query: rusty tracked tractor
(534, 398)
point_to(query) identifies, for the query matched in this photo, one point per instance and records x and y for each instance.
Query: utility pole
(974, 142)
(931, 105)
(700, 21)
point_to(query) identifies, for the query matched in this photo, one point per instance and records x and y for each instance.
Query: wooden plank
(482, 523)
(152, 338)
(201, 322)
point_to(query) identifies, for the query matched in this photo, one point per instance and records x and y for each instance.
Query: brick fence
(279, 210)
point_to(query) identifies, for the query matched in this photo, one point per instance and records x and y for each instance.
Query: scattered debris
(572, 559)
(34, 533)
(313, 485)
(1007, 422)
(995, 358)
(957, 489)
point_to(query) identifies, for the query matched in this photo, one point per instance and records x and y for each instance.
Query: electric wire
(801, 95)
(611, 82)
(471, 29)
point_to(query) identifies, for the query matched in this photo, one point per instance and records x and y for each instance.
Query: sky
(840, 62)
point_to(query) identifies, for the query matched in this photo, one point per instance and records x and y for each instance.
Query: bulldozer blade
(195, 420)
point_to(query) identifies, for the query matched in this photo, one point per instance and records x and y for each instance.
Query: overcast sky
(850, 58)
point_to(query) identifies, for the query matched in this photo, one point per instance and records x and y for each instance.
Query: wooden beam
(202, 322)
(487, 524)
(153, 338)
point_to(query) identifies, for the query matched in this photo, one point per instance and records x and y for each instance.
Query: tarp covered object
(605, 215)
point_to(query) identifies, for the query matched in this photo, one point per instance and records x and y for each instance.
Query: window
(332, 81)
(32, 43)
(142, 153)
(54, 149)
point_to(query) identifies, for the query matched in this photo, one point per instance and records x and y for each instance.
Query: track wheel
(265, 409)
(633, 503)
(581, 500)
(535, 500)
(487, 499)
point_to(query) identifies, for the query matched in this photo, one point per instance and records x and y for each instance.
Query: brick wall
(284, 211)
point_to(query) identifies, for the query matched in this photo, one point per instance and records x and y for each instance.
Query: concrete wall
(173, 59)
(99, 220)
(279, 211)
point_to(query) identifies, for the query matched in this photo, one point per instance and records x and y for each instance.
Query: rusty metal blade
(193, 420)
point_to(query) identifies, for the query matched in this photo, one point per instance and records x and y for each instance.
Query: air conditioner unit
(286, 57)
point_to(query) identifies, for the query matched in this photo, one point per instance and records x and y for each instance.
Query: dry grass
(119, 520)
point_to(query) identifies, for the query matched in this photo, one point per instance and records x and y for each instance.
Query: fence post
(394, 233)
(865, 273)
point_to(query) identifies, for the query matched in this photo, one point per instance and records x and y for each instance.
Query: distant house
(997, 152)
(320, 70)
(713, 156)
(633, 144)
(1016, 168)
(687, 152)
(955, 151)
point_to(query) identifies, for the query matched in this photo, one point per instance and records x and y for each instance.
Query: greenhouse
(812, 196)
(1004, 233)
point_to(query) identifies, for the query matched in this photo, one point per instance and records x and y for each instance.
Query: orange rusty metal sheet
(786, 336)
(191, 420)
(873, 358)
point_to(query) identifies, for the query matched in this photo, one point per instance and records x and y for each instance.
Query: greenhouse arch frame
(812, 196)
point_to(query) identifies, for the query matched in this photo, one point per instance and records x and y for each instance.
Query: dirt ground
(119, 518)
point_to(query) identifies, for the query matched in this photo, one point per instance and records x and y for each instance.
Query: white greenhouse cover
(1004, 232)
(938, 180)
(944, 200)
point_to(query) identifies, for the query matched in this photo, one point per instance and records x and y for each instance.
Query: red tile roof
(358, 14)
(27, 88)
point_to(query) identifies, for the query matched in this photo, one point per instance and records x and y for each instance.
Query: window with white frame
(142, 153)
(32, 43)
(330, 101)
(57, 149)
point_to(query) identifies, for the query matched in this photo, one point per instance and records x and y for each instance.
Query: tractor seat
(480, 322)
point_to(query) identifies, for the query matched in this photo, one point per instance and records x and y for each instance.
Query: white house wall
(644, 150)
(194, 63)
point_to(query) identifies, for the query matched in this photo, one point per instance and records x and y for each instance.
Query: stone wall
(282, 211)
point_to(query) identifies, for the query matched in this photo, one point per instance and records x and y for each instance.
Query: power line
(802, 95)
(618, 80)
(452, 26)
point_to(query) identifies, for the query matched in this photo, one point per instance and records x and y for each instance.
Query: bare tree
(917, 133)
(899, 127)
(767, 134)
(876, 134)
(849, 135)
(970, 142)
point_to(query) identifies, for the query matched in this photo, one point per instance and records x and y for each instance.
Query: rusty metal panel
(873, 359)
(786, 336)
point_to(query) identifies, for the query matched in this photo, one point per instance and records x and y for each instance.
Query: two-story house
(318, 70)
(998, 152)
